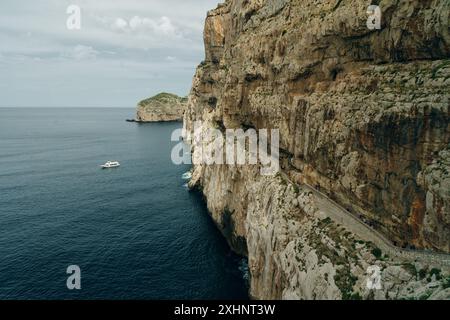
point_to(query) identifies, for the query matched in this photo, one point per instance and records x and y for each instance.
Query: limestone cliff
(162, 107)
(363, 117)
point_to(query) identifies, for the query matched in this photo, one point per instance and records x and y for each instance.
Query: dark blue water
(135, 231)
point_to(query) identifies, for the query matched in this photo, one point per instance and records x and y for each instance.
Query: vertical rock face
(363, 115)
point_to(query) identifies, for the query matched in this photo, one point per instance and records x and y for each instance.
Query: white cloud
(162, 26)
(81, 52)
(165, 26)
(120, 24)
(137, 22)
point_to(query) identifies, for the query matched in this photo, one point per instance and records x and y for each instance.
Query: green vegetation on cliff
(162, 107)
(163, 97)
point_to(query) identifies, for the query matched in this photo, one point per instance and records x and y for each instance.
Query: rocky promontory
(161, 108)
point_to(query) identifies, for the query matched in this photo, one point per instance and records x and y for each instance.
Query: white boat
(111, 164)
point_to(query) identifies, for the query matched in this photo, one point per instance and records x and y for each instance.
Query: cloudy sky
(126, 50)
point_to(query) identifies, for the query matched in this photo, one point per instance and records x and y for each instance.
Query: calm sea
(135, 231)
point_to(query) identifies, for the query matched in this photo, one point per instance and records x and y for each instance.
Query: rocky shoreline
(154, 121)
(164, 107)
(363, 115)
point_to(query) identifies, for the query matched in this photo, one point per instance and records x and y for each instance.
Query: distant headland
(163, 107)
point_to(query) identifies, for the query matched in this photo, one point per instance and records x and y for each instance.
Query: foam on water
(187, 175)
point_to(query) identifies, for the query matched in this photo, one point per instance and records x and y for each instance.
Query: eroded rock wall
(363, 116)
